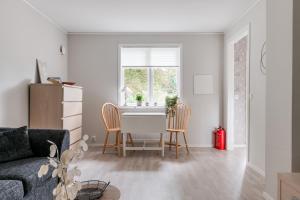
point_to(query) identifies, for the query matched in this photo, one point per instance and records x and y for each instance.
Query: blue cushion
(11, 190)
(14, 144)
(25, 170)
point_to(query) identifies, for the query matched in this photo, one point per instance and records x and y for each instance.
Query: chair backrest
(111, 116)
(179, 119)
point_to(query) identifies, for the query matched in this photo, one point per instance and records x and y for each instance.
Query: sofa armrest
(39, 140)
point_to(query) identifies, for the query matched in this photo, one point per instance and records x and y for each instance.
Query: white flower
(67, 188)
(53, 149)
(83, 145)
(85, 137)
(53, 162)
(66, 157)
(43, 170)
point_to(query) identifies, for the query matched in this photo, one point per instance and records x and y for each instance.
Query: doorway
(237, 83)
(240, 90)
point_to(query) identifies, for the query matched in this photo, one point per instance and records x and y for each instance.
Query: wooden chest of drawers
(57, 107)
(289, 186)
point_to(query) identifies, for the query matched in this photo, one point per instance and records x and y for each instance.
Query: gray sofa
(18, 178)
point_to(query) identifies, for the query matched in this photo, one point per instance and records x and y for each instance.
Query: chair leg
(105, 142)
(171, 135)
(160, 140)
(176, 145)
(118, 142)
(130, 138)
(186, 145)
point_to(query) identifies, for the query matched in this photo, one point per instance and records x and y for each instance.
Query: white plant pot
(139, 103)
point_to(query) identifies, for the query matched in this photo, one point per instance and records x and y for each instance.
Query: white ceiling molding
(235, 22)
(49, 19)
(192, 17)
(146, 33)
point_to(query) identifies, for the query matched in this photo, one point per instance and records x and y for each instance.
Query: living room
(149, 99)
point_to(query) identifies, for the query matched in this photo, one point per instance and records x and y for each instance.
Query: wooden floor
(205, 174)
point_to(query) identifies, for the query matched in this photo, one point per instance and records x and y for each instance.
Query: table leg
(124, 144)
(162, 144)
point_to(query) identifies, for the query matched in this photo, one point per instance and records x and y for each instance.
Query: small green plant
(171, 101)
(139, 97)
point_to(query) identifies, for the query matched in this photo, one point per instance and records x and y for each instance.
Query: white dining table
(148, 127)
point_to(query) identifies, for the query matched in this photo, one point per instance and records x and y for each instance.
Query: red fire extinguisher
(220, 138)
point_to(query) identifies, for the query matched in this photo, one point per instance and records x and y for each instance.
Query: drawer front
(75, 135)
(71, 123)
(72, 108)
(288, 193)
(72, 94)
(75, 145)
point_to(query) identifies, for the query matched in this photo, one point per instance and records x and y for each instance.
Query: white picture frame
(203, 84)
(42, 71)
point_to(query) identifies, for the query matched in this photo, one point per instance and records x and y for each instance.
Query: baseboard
(191, 146)
(240, 145)
(256, 169)
(201, 146)
(266, 196)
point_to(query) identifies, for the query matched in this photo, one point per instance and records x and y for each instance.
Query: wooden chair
(112, 121)
(178, 123)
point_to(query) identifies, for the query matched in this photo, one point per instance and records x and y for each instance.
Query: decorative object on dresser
(42, 71)
(57, 107)
(289, 186)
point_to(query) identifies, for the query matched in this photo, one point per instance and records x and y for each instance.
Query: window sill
(142, 108)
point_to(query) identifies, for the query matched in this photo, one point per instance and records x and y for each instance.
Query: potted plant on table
(171, 101)
(139, 99)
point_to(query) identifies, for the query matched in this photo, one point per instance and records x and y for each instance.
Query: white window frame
(150, 71)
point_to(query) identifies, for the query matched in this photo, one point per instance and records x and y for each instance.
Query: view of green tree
(137, 80)
(164, 84)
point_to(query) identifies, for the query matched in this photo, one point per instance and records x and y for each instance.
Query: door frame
(229, 86)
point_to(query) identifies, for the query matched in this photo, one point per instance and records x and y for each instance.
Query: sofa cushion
(11, 190)
(25, 170)
(14, 144)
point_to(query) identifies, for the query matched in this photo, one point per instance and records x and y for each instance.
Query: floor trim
(256, 169)
(240, 146)
(191, 146)
(266, 196)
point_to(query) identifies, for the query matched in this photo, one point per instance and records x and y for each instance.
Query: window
(152, 71)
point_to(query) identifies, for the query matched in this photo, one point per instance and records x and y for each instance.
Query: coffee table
(111, 193)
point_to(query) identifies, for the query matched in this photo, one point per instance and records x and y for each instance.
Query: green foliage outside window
(164, 83)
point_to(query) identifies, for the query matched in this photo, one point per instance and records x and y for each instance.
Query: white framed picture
(203, 84)
(42, 71)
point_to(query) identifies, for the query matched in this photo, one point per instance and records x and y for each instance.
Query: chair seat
(175, 130)
(113, 129)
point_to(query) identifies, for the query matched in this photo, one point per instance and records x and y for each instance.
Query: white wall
(24, 36)
(256, 17)
(93, 63)
(279, 91)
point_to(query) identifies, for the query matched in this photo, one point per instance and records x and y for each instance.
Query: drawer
(72, 94)
(288, 192)
(72, 108)
(75, 135)
(75, 145)
(73, 122)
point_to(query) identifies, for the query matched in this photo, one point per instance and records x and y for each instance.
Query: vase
(139, 103)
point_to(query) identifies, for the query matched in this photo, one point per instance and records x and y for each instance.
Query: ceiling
(143, 15)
